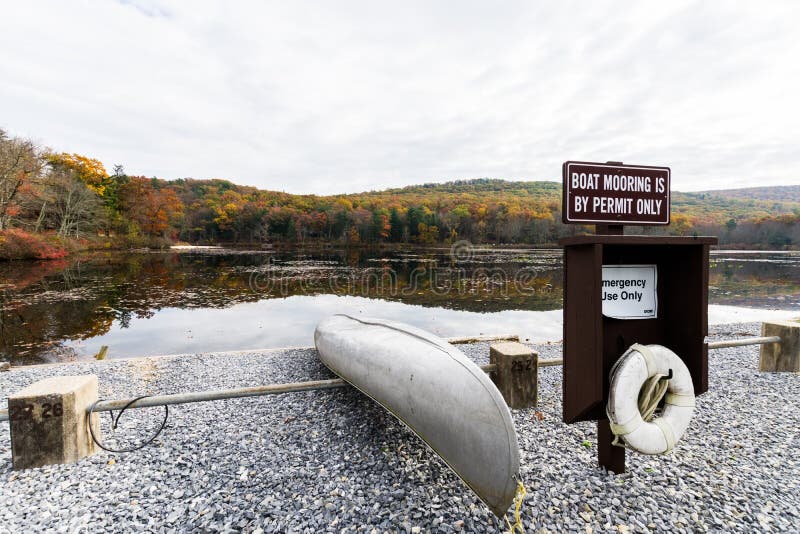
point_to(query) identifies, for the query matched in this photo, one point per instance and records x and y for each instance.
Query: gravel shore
(335, 461)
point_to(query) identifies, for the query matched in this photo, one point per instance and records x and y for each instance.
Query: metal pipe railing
(220, 394)
(212, 395)
(548, 363)
(202, 396)
(743, 342)
(277, 389)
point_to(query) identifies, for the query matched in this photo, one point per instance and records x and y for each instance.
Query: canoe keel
(432, 387)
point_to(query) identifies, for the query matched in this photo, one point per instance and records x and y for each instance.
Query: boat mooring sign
(604, 193)
(629, 291)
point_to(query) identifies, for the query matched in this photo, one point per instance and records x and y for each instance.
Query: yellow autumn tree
(680, 224)
(90, 171)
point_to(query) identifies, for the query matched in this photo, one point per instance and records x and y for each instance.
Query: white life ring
(628, 376)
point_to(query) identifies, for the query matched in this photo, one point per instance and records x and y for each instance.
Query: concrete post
(48, 421)
(783, 356)
(517, 373)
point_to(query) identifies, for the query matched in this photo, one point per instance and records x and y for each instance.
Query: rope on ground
(115, 421)
(518, 500)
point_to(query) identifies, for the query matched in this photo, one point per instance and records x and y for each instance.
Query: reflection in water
(216, 300)
(764, 280)
(290, 321)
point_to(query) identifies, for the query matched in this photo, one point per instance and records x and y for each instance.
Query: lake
(194, 299)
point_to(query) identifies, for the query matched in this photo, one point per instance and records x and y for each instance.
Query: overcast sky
(335, 96)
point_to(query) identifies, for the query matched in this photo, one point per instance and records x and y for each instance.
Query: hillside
(481, 185)
(73, 196)
(719, 206)
(780, 193)
(479, 210)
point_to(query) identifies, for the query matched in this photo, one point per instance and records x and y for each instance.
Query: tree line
(73, 196)
(70, 195)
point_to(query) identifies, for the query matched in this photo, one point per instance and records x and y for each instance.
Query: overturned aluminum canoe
(428, 384)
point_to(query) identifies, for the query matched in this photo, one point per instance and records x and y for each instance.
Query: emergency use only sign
(604, 193)
(629, 291)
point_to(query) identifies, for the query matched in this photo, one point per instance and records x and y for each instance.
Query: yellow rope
(518, 499)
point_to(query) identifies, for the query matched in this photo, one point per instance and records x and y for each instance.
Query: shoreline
(60, 248)
(550, 322)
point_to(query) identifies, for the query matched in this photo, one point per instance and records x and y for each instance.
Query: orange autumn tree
(19, 164)
(382, 224)
(153, 209)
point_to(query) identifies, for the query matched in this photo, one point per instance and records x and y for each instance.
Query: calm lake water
(203, 300)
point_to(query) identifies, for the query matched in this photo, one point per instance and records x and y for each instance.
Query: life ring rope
(653, 391)
(666, 429)
(626, 428)
(656, 386)
(675, 399)
(647, 354)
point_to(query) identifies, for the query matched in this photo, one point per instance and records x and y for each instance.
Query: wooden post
(609, 229)
(783, 356)
(517, 374)
(48, 421)
(609, 456)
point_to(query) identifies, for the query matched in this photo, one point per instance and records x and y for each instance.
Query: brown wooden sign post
(676, 315)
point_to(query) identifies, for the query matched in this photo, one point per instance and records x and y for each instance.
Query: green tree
(396, 234)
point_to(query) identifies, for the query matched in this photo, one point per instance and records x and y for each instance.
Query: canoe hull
(441, 395)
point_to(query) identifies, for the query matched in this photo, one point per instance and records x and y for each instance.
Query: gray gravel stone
(333, 460)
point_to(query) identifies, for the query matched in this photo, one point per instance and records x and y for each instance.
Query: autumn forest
(52, 202)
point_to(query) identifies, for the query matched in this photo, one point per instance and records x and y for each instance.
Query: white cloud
(346, 96)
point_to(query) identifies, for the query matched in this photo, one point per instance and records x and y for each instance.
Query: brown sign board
(608, 193)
